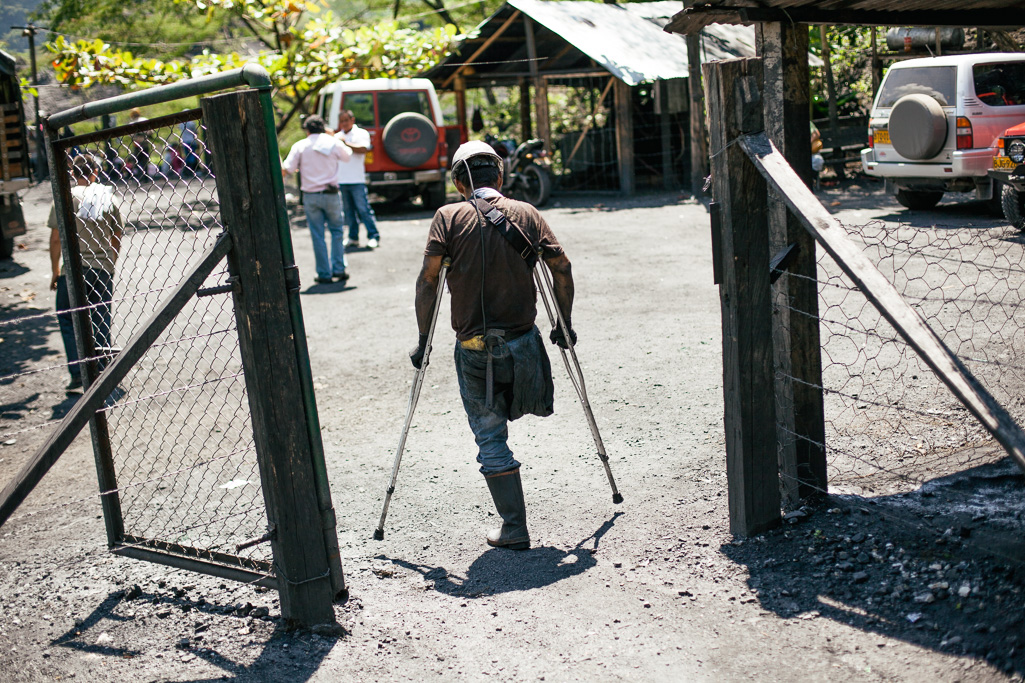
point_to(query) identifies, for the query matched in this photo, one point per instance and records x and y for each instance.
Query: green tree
(303, 48)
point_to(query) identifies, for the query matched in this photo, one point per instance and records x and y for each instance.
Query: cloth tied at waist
(533, 390)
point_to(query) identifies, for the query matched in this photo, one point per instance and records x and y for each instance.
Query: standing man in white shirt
(317, 159)
(352, 181)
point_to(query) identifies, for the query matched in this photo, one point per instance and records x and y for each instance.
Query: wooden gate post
(733, 93)
(238, 139)
(784, 51)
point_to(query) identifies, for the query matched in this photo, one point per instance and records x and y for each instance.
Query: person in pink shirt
(316, 158)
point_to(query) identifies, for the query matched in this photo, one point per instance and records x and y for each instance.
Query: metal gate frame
(306, 569)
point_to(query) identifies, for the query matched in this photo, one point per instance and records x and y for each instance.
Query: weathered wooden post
(733, 93)
(544, 130)
(698, 139)
(784, 51)
(248, 182)
(623, 96)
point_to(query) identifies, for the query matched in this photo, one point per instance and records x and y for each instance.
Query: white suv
(935, 123)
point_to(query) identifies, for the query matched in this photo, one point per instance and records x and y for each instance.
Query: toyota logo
(410, 134)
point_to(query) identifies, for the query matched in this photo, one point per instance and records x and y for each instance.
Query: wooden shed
(622, 54)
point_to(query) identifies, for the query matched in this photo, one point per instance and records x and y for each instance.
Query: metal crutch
(414, 396)
(547, 290)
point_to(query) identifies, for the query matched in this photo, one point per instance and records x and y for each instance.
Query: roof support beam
(986, 18)
(540, 86)
(484, 46)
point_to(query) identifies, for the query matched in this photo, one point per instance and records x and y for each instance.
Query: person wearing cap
(501, 363)
(316, 158)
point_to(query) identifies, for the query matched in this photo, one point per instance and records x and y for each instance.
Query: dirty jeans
(325, 211)
(357, 208)
(489, 425)
(99, 290)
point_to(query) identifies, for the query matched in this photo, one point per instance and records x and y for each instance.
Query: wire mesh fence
(177, 427)
(890, 423)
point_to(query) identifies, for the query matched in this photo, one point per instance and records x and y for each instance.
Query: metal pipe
(190, 564)
(547, 290)
(414, 397)
(252, 75)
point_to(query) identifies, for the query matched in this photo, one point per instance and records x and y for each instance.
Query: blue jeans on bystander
(99, 290)
(357, 208)
(325, 211)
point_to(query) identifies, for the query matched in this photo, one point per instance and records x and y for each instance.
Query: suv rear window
(1001, 84)
(938, 82)
(391, 104)
(362, 106)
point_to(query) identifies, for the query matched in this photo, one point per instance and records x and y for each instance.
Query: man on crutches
(502, 367)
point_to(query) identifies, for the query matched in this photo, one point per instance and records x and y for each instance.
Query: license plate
(1003, 163)
(882, 136)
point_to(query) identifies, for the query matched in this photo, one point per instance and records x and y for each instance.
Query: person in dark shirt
(501, 364)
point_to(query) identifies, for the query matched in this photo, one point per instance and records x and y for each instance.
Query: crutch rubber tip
(617, 498)
(379, 533)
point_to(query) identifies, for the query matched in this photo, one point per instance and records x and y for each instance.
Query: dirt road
(655, 589)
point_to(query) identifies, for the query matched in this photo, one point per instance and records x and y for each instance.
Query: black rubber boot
(507, 492)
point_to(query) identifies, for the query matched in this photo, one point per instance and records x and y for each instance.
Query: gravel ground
(924, 585)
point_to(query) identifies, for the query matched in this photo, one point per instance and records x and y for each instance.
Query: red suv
(411, 144)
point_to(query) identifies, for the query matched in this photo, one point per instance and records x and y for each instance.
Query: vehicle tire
(919, 200)
(535, 185)
(434, 196)
(918, 127)
(6, 248)
(410, 139)
(1013, 202)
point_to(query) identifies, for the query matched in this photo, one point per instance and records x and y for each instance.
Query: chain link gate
(182, 296)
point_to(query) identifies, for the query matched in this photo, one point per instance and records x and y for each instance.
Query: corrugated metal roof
(623, 41)
(995, 13)
(626, 40)
(7, 64)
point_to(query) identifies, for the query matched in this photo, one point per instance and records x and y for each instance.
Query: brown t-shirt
(509, 297)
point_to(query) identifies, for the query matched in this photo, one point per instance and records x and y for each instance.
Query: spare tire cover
(918, 127)
(410, 139)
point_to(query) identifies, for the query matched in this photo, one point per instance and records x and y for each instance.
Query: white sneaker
(346, 242)
(372, 243)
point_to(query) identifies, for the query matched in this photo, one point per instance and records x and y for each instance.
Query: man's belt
(480, 341)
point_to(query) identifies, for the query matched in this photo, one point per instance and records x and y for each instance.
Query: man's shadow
(494, 573)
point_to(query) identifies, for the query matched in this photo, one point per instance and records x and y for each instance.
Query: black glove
(416, 356)
(558, 338)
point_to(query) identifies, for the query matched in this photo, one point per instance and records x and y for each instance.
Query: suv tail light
(871, 138)
(442, 152)
(965, 139)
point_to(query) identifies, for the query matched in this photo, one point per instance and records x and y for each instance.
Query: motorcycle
(527, 173)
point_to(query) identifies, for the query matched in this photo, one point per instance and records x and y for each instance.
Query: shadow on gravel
(279, 660)
(942, 567)
(10, 268)
(503, 571)
(969, 214)
(332, 288)
(578, 202)
(25, 333)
